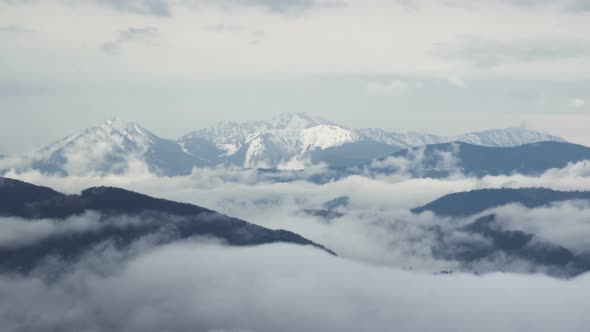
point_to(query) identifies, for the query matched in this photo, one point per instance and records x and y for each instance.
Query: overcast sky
(444, 67)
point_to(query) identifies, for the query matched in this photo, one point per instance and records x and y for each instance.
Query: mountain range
(289, 141)
(122, 218)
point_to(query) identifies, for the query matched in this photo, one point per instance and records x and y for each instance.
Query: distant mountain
(229, 137)
(495, 137)
(443, 159)
(286, 141)
(109, 147)
(162, 220)
(291, 141)
(469, 203)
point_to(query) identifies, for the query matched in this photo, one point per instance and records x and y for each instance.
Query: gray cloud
(579, 6)
(144, 35)
(254, 36)
(226, 28)
(144, 7)
(280, 6)
(486, 54)
(12, 28)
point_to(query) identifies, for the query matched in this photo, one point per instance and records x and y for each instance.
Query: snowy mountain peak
(299, 120)
(325, 136)
(114, 133)
(230, 137)
(128, 129)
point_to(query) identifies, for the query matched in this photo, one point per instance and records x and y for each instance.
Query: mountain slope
(469, 203)
(125, 218)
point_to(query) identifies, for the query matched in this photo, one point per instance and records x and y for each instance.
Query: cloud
(457, 81)
(254, 36)
(576, 103)
(207, 287)
(13, 28)
(19, 232)
(143, 7)
(144, 36)
(572, 232)
(394, 88)
(376, 226)
(278, 6)
(579, 6)
(485, 54)
(417, 164)
(226, 28)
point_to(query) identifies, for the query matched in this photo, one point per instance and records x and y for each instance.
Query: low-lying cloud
(387, 274)
(376, 225)
(207, 287)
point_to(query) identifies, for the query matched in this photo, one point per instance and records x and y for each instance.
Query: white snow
(324, 136)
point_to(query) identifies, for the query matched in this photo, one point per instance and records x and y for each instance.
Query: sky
(445, 67)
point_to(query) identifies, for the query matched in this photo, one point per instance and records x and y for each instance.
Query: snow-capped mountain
(229, 137)
(289, 141)
(284, 141)
(110, 147)
(494, 137)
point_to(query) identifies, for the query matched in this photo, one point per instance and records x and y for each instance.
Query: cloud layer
(205, 287)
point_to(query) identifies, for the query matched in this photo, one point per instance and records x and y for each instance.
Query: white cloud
(204, 287)
(457, 81)
(376, 42)
(377, 205)
(577, 102)
(394, 88)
